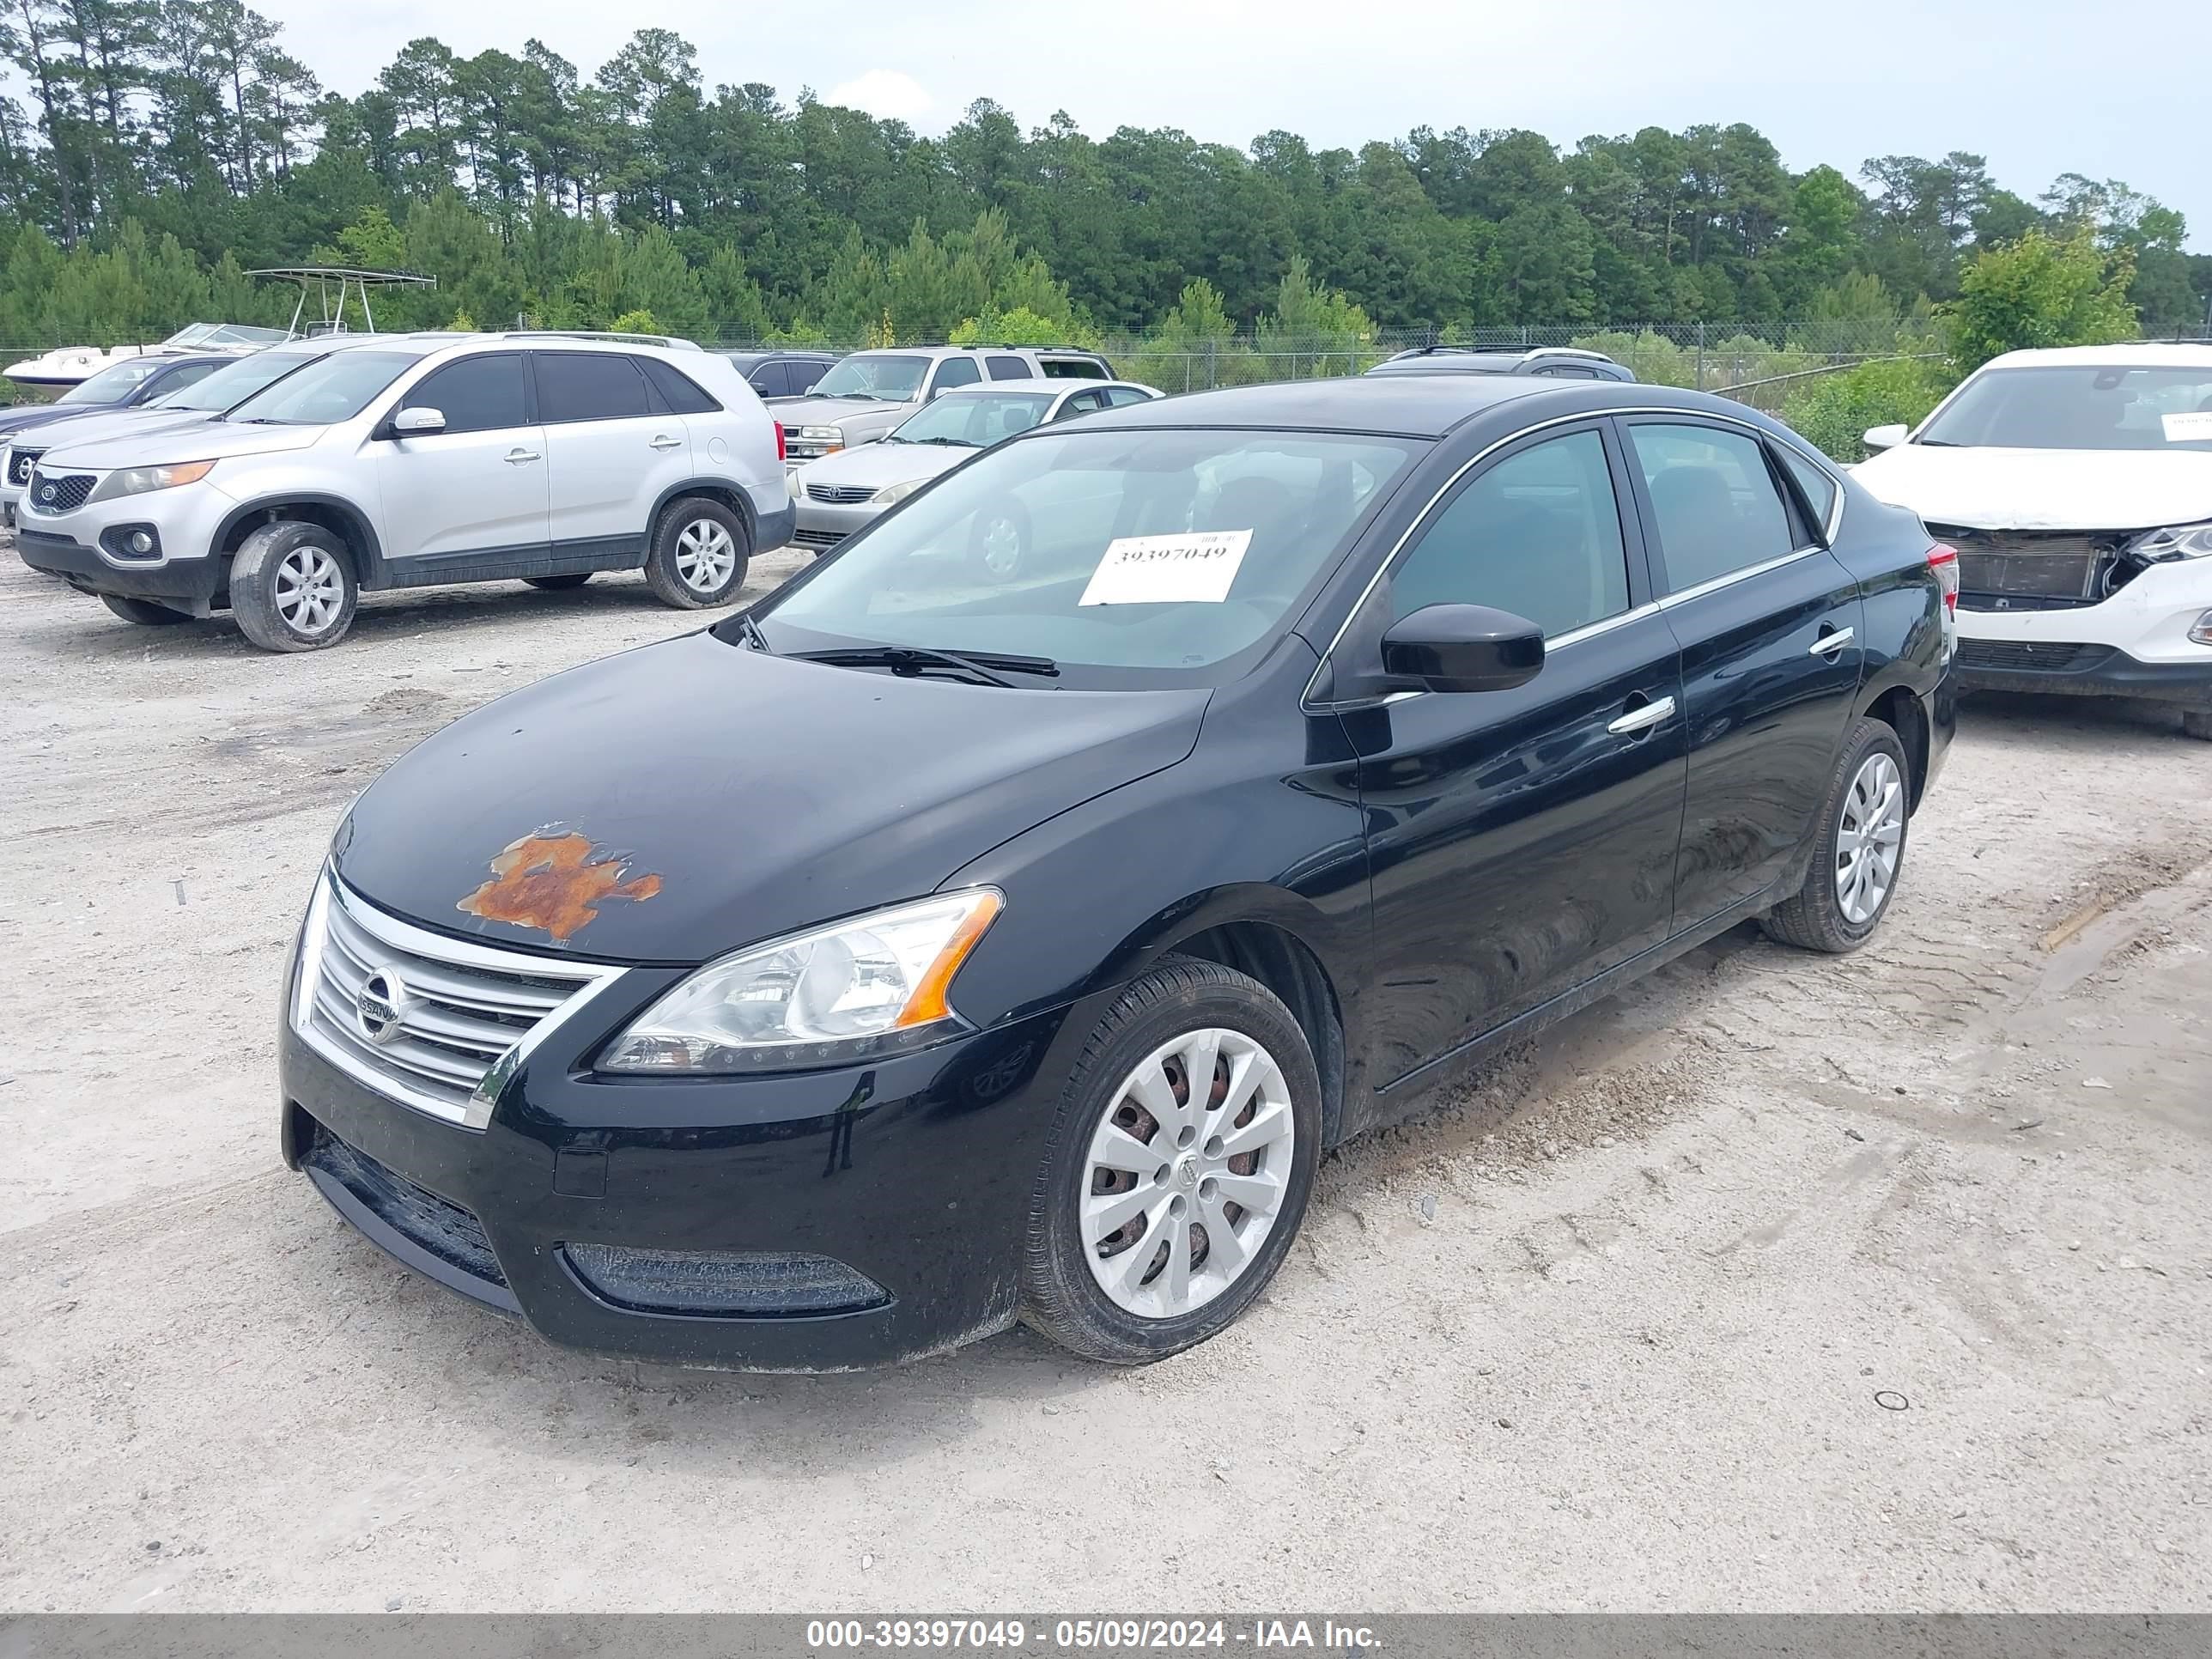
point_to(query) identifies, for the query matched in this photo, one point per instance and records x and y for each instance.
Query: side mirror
(417, 422)
(1886, 437)
(1464, 647)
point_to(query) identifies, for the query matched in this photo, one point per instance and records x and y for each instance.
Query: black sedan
(933, 947)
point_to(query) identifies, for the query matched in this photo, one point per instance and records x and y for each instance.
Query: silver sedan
(839, 494)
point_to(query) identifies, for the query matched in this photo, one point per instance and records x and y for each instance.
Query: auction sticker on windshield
(1195, 568)
(2192, 427)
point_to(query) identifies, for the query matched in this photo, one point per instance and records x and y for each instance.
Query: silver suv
(405, 460)
(868, 393)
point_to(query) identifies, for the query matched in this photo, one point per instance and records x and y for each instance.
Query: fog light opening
(722, 1283)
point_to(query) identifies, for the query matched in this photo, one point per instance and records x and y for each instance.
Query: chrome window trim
(1714, 584)
(591, 979)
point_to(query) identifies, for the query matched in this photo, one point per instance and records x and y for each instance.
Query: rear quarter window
(1073, 369)
(682, 394)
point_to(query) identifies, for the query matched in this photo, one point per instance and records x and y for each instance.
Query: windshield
(1129, 557)
(2084, 407)
(868, 375)
(336, 388)
(233, 383)
(202, 334)
(112, 383)
(977, 420)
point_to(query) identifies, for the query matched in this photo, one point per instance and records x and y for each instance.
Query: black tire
(144, 612)
(664, 571)
(2196, 723)
(265, 587)
(1000, 544)
(560, 584)
(1812, 918)
(1061, 1299)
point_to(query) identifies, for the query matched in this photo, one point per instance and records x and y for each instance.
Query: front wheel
(292, 588)
(1179, 1168)
(1861, 854)
(698, 556)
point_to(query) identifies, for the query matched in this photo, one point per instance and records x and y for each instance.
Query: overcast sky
(2039, 86)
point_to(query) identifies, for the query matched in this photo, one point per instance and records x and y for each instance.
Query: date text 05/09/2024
(1089, 1635)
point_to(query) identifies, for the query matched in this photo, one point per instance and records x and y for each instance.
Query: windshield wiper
(951, 443)
(751, 632)
(1940, 443)
(988, 667)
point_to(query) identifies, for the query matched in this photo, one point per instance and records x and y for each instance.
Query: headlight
(897, 492)
(137, 480)
(827, 434)
(860, 989)
(2178, 541)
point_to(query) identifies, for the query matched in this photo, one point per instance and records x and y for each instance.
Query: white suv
(405, 460)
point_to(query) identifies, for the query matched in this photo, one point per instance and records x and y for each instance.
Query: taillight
(1944, 561)
(778, 425)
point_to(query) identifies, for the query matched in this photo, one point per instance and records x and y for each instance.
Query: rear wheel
(144, 612)
(699, 555)
(1179, 1167)
(1860, 855)
(292, 588)
(560, 584)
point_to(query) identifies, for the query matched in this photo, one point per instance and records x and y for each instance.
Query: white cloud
(887, 94)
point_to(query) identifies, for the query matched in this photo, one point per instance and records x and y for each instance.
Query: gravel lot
(1606, 1332)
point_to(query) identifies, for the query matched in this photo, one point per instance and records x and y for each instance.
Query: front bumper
(2071, 669)
(186, 584)
(822, 525)
(915, 1173)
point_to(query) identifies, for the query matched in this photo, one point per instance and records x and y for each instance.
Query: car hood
(203, 442)
(678, 801)
(882, 463)
(2043, 489)
(796, 412)
(87, 426)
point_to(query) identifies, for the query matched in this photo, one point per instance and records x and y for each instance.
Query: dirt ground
(1778, 1282)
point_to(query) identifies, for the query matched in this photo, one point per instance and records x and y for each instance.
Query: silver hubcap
(1002, 547)
(1187, 1173)
(705, 555)
(1868, 839)
(310, 591)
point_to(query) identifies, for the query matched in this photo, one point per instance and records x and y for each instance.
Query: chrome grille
(18, 464)
(843, 494)
(457, 1010)
(68, 490)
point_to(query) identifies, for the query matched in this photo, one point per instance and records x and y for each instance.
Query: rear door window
(1713, 502)
(595, 385)
(772, 380)
(803, 374)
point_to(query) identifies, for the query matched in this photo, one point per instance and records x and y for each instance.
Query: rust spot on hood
(550, 881)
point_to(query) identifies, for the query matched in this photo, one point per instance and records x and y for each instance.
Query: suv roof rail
(1500, 351)
(616, 337)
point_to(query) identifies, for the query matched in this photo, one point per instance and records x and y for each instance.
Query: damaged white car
(2076, 484)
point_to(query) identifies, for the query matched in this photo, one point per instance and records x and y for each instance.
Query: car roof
(1409, 405)
(2148, 354)
(1415, 406)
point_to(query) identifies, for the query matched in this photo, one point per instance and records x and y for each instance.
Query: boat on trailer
(331, 297)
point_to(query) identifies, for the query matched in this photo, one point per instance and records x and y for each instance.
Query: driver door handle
(1642, 718)
(1830, 642)
(662, 440)
(519, 457)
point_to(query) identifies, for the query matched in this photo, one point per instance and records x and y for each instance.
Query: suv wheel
(699, 555)
(292, 588)
(1860, 852)
(144, 612)
(1179, 1167)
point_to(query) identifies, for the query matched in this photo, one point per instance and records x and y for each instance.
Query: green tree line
(152, 150)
